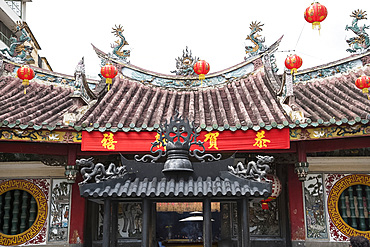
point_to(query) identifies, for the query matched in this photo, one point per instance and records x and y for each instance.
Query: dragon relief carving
(18, 51)
(256, 39)
(185, 64)
(361, 42)
(253, 170)
(119, 44)
(98, 172)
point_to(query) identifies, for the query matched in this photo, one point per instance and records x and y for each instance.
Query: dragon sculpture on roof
(119, 44)
(18, 50)
(256, 39)
(361, 42)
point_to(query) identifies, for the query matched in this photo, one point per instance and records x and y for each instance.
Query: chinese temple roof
(41, 105)
(335, 99)
(241, 104)
(327, 95)
(247, 96)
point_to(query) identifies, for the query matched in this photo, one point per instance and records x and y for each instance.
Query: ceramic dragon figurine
(253, 170)
(361, 42)
(256, 39)
(119, 44)
(18, 51)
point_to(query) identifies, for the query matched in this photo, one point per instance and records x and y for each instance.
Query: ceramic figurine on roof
(184, 64)
(119, 44)
(19, 52)
(79, 71)
(361, 42)
(256, 40)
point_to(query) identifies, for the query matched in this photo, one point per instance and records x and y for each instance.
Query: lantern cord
(299, 36)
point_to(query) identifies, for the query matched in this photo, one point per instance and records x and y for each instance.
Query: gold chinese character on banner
(212, 138)
(108, 141)
(160, 143)
(260, 141)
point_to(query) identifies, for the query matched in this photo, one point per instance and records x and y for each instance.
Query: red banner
(213, 141)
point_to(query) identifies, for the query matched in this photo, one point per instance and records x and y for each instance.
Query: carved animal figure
(254, 170)
(98, 172)
(120, 43)
(255, 38)
(362, 40)
(18, 49)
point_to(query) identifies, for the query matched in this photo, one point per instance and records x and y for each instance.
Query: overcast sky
(158, 31)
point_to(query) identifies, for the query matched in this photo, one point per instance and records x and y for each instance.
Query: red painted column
(295, 191)
(78, 204)
(296, 209)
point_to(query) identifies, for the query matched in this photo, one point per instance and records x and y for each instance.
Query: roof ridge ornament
(256, 39)
(18, 51)
(118, 53)
(361, 43)
(184, 64)
(176, 138)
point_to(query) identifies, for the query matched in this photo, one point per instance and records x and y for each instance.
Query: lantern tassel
(201, 78)
(316, 25)
(25, 83)
(366, 91)
(292, 72)
(109, 82)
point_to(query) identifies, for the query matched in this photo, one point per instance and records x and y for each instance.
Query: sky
(159, 31)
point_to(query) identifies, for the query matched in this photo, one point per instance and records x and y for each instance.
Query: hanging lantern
(363, 82)
(276, 190)
(201, 68)
(315, 14)
(26, 74)
(108, 71)
(293, 62)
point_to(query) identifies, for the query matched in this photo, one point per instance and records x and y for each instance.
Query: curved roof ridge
(217, 78)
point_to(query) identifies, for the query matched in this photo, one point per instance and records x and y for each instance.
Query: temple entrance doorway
(181, 223)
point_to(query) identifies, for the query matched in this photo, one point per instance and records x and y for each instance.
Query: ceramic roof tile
(170, 187)
(42, 104)
(243, 103)
(334, 98)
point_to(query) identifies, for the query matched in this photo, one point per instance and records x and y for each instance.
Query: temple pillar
(114, 223)
(207, 223)
(243, 222)
(296, 209)
(146, 223)
(107, 222)
(226, 228)
(78, 204)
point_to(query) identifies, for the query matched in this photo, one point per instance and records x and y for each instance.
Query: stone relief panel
(59, 210)
(315, 207)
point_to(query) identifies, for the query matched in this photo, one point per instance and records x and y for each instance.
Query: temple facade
(247, 156)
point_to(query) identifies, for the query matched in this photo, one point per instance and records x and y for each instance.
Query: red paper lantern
(201, 68)
(293, 62)
(108, 71)
(276, 190)
(315, 14)
(26, 74)
(363, 82)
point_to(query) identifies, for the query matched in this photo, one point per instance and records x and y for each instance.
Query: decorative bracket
(301, 168)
